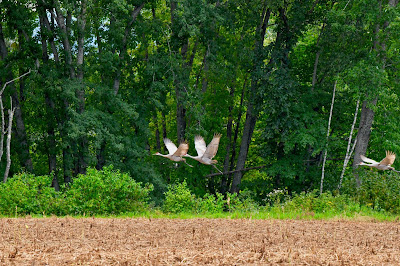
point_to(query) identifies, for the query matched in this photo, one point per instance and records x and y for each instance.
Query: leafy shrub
(106, 192)
(325, 202)
(378, 190)
(179, 199)
(211, 204)
(276, 197)
(243, 202)
(25, 194)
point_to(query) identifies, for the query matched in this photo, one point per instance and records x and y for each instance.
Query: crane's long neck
(162, 155)
(197, 158)
(367, 164)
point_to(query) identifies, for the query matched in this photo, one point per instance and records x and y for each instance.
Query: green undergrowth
(364, 215)
(110, 193)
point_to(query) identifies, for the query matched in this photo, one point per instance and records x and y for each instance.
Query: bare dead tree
(327, 137)
(9, 128)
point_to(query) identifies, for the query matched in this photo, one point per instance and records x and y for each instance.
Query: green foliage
(321, 203)
(106, 192)
(259, 183)
(210, 204)
(98, 192)
(277, 197)
(205, 56)
(179, 199)
(378, 190)
(244, 202)
(25, 194)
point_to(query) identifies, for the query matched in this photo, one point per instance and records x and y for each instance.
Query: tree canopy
(110, 79)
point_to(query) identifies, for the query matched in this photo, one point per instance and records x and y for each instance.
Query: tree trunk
(3, 125)
(180, 45)
(314, 76)
(180, 116)
(83, 144)
(364, 132)
(21, 133)
(8, 143)
(348, 151)
(229, 126)
(367, 114)
(236, 134)
(50, 106)
(327, 138)
(204, 82)
(249, 125)
(164, 128)
(251, 114)
(63, 25)
(101, 160)
(117, 80)
(158, 140)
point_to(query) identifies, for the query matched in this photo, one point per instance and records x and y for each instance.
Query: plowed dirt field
(142, 241)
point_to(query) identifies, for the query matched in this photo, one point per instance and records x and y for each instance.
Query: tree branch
(234, 171)
(8, 82)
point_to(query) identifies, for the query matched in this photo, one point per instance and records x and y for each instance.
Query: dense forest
(298, 90)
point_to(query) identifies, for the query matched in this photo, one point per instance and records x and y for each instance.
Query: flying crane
(385, 164)
(205, 154)
(175, 153)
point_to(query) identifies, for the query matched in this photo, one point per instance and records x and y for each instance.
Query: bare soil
(142, 241)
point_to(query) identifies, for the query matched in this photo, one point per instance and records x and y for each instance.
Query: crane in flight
(385, 164)
(205, 154)
(175, 153)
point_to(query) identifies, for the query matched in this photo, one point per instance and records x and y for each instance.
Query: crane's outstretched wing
(171, 147)
(200, 145)
(389, 159)
(368, 160)
(182, 149)
(212, 148)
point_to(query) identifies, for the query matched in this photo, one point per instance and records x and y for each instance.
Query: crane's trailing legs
(217, 168)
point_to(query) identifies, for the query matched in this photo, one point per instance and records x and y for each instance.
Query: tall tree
(367, 111)
(252, 110)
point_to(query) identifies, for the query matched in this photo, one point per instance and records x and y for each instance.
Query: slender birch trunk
(3, 123)
(348, 151)
(327, 138)
(8, 143)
